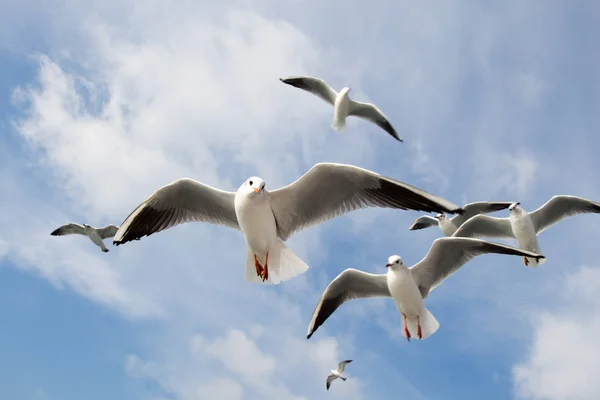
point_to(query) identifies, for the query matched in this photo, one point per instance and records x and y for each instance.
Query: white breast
(405, 292)
(257, 222)
(448, 228)
(340, 107)
(524, 232)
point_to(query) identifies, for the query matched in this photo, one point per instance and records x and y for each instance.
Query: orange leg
(259, 268)
(525, 261)
(265, 272)
(406, 332)
(419, 334)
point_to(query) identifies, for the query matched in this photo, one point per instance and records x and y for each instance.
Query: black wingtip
(459, 211)
(308, 336)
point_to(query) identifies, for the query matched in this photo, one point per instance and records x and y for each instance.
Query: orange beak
(256, 190)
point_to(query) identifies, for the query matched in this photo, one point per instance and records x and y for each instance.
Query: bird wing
(184, 200)
(342, 365)
(423, 222)
(483, 225)
(559, 208)
(108, 231)
(480, 207)
(316, 86)
(371, 113)
(330, 379)
(448, 254)
(350, 284)
(69, 229)
(328, 190)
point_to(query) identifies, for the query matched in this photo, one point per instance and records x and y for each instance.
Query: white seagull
(267, 219)
(343, 106)
(96, 235)
(337, 373)
(524, 226)
(408, 286)
(449, 226)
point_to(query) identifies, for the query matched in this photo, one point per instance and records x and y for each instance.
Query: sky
(103, 102)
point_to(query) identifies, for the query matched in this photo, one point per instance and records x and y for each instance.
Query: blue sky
(102, 102)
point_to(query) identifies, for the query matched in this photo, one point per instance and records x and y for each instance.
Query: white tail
(532, 262)
(283, 265)
(429, 325)
(339, 124)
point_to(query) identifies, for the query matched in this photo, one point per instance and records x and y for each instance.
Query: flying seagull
(96, 235)
(408, 286)
(449, 226)
(337, 373)
(343, 106)
(267, 219)
(524, 226)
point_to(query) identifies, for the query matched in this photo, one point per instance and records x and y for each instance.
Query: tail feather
(338, 124)
(429, 325)
(283, 265)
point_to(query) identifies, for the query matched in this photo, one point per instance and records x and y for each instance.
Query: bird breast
(341, 106)
(524, 231)
(256, 220)
(448, 228)
(405, 292)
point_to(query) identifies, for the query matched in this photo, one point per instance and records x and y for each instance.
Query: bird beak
(256, 190)
(388, 265)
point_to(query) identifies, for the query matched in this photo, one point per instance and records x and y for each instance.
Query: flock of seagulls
(328, 190)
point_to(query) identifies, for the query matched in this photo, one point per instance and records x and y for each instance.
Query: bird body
(408, 287)
(337, 373)
(96, 235)
(526, 226)
(341, 106)
(267, 219)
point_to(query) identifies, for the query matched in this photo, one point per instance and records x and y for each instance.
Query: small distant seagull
(449, 226)
(343, 106)
(408, 286)
(524, 226)
(268, 218)
(96, 235)
(337, 373)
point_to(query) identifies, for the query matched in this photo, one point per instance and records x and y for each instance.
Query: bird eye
(250, 183)
(397, 261)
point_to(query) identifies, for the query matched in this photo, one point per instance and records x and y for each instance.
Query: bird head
(514, 207)
(253, 186)
(395, 262)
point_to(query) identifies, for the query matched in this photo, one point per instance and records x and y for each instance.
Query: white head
(86, 226)
(441, 217)
(395, 263)
(345, 91)
(254, 186)
(514, 208)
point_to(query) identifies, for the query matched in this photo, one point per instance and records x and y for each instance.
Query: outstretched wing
(328, 190)
(559, 208)
(69, 229)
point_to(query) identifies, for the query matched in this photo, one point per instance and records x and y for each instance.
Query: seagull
(449, 226)
(524, 226)
(96, 235)
(343, 106)
(267, 219)
(408, 286)
(337, 373)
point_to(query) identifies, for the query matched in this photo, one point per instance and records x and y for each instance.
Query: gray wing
(371, 113)
(108, 231)
(561, 207)
(184, 200)
(350, 284)
(480, 207)
(330, 379)
(342, 365)
(485, 226)
(423, 222)
(447, 255)
(328, 190)
(69, 229)
(313, 85)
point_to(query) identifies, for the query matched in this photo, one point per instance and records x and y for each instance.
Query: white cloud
(564, 357)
